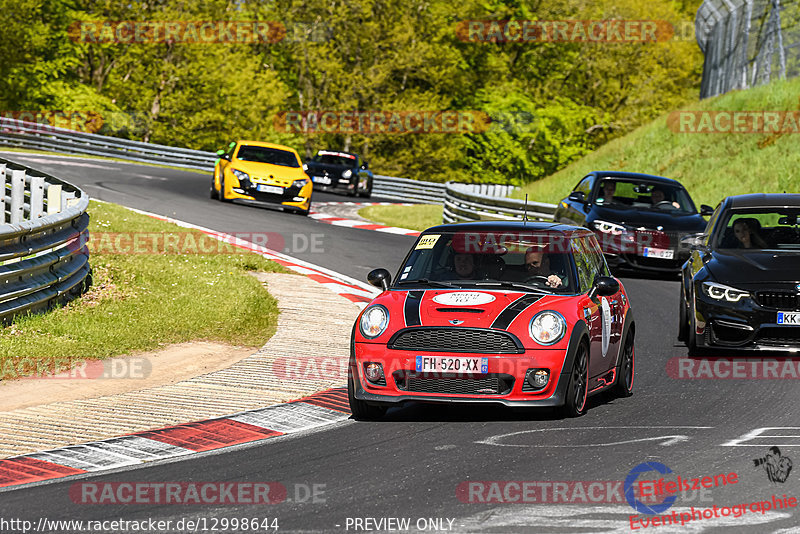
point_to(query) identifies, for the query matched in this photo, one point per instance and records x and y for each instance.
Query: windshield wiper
(504, 283)
(428, 282)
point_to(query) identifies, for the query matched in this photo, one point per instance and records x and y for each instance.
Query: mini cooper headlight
(374, 321)
(547, 327)
(240, 174)
(609, 227)
(718, 292)
(347, 174)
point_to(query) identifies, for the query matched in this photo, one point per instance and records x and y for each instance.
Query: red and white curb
(341, 284)
(320, 409)
(354, 223)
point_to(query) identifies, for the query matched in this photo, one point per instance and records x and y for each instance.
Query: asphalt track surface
(411, 464)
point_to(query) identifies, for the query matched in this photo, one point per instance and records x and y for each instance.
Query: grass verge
(416, 217)
(142, 301)
(710, 165)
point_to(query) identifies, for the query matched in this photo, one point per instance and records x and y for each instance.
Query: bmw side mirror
(604, 286)
(694, 241)
(577, 196)
(380, 278)
(706, 210)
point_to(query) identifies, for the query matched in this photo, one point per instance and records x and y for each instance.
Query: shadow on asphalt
(433, 413)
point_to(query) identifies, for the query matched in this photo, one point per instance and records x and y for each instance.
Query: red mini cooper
(519, 314)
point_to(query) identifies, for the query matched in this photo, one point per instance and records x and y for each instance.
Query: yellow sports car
(258, 172)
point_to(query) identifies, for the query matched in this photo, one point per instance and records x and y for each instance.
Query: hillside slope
(710, 165)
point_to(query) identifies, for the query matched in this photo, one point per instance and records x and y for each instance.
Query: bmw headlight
(547, 327)
(609, 227)
(240, 175)
(347, 174)
(374, 321)
(718, 292)
(300, 183)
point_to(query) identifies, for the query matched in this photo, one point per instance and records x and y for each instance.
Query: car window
(335, 158)
(643, 195)
(263, 154)
(585, 265)
(487, 257)
(585, 185)
(598, 261)
(759, 229)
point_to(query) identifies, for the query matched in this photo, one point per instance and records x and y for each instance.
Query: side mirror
(380, 278)
(604, 286)
(577, 196)
(706, 210)
(220, 152)
(694, 241)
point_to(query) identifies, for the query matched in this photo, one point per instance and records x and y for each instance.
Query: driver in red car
(537, 263)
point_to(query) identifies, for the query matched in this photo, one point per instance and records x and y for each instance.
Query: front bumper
(507, 371)
(742, 325)
(292, 196)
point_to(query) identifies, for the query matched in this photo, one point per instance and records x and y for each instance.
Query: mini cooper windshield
(531, 260)
(760, 229)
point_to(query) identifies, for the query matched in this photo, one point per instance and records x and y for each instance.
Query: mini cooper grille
(456, 340)
(778, 300)
(492, 384)
(779, 335)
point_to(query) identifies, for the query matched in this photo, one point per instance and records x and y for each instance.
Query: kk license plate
(274, 189)
(662, 253)
(789, 318)
(447, 364)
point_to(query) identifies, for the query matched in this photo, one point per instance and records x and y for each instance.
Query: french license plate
(321, 180)
(270, 189)
(662, 253)
(789, 318)
(448, 364)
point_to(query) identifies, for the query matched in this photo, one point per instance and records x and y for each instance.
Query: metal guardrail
(462, 204)
(747, 43)
(44, 259)
(16, 133)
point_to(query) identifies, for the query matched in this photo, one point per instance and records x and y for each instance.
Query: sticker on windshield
(606, 309)
(427, 241)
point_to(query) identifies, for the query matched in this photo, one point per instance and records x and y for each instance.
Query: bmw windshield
(538, 261)
(760, 229)
(642, 195)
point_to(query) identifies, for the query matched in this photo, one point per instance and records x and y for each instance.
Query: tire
(213, 195)
(683, 318)
(361, 410)
(222, 190)
(627, 365)
(577, 389)
(691, 339)
(366, 194)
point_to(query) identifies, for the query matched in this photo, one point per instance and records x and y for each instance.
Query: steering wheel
(542, 279)
(664, 204)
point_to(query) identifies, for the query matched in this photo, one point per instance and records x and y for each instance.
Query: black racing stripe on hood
(513, 310)
(411, 308)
